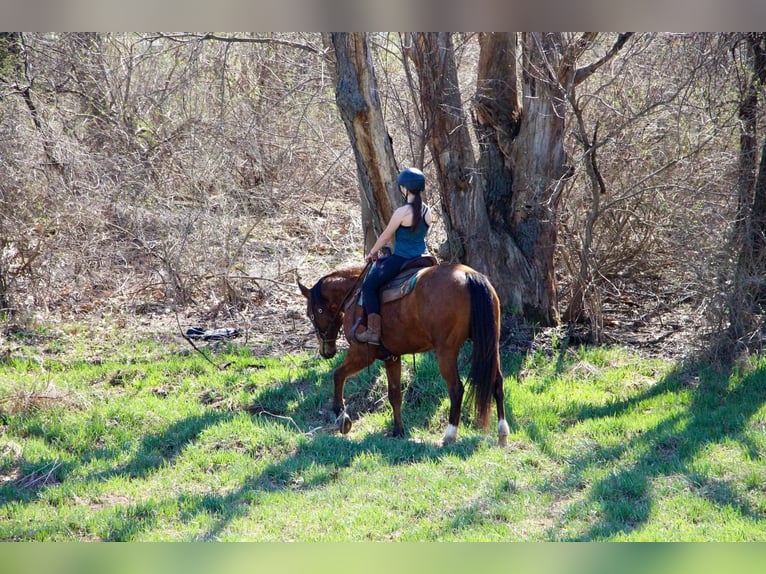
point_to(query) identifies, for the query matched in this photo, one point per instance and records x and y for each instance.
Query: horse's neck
(337, 287)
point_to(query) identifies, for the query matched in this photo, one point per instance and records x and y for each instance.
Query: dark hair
(417, 210)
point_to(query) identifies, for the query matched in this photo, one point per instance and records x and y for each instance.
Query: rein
(332, 324)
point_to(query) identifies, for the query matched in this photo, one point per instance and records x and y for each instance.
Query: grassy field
(104, 439)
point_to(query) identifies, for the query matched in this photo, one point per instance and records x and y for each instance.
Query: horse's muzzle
(327, 349)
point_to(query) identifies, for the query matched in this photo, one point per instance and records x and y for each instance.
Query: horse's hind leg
(394, 377)
(448, 368)
(502, 425)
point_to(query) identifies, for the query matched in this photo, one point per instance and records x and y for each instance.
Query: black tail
(485, 364)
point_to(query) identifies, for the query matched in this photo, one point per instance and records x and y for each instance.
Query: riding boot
(372, 334)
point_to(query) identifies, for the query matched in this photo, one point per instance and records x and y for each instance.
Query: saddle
(402, 284)
(405, 280)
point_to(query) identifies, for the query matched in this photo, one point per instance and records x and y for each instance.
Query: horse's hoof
(447, 440)
(450, 435)
(344, 423)
(503, 430)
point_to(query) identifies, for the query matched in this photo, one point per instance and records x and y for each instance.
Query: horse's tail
(485, 332)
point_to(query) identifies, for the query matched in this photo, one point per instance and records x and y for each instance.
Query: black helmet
(412, 178)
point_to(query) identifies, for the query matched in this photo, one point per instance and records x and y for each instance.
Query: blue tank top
(409, 243)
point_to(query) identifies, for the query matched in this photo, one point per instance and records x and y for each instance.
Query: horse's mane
(338, 275)
(349, 272)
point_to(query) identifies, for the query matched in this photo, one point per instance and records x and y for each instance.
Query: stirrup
(362, 338)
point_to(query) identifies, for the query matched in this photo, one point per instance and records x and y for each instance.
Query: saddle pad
(401, 285)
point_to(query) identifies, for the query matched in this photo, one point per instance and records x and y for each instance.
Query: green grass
(110, 440)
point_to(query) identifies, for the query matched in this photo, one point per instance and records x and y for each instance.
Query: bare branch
(583, 73)
(240, 40)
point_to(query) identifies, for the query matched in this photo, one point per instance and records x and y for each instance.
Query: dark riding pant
(385, 269)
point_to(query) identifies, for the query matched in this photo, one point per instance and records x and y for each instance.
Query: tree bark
(449, 143)
(500, 208)
(748, 297)
(357, 98)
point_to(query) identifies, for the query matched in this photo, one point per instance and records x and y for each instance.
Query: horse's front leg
(342, 420)
(394, 377)
(354, 362)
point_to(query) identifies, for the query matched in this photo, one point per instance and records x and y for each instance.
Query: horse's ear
(305, 290)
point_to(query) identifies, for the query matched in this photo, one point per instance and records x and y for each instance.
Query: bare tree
(646, 134)
(173, 149)
(502, 207)
(748, 295)
(359, 106)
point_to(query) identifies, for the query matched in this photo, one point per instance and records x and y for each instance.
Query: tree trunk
(748, 298)
(500, 209)
(450, 143)
(357, 98)
(13, 60)
(758, 230)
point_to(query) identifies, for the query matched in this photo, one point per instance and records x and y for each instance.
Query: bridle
(330, 334)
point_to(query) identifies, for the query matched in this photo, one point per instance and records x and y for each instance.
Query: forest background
(148, 174)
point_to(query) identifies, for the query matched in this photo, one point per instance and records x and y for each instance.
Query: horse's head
(325, 317)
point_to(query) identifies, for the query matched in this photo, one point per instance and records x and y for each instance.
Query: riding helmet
(412, 179)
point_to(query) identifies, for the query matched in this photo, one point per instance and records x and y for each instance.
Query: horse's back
(449, 276)
(435, 314)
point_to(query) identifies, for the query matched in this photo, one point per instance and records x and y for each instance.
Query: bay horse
(448, 305)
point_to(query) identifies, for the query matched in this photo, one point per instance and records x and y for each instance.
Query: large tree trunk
(748, 297)
(450, 144)
(501, 209)
(538, 160)
(357, 98)
(476, 231)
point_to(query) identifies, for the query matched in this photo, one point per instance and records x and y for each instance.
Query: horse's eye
(311, 316)
(320, 311)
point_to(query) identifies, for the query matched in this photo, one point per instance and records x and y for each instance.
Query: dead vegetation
(160, 183)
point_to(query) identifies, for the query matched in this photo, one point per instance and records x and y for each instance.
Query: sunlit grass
(151, 441)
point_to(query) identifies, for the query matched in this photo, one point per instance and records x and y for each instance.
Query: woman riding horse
(408, 227)
(448, 305)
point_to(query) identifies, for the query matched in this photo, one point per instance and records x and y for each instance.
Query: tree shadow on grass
(162, 448)
(314, 465)
(716, 414)
(317, 462)
(156, 450)
(296, 403)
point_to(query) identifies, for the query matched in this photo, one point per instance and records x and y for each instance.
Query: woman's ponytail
(417, 210)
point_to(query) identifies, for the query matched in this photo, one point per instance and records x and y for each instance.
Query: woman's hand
(371, 256)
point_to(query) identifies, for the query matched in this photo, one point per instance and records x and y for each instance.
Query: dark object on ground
(199, 333)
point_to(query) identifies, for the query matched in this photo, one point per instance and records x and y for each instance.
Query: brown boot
(372, 334)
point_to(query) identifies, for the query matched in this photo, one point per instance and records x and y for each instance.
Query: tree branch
(239, 40)
(584, 73)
